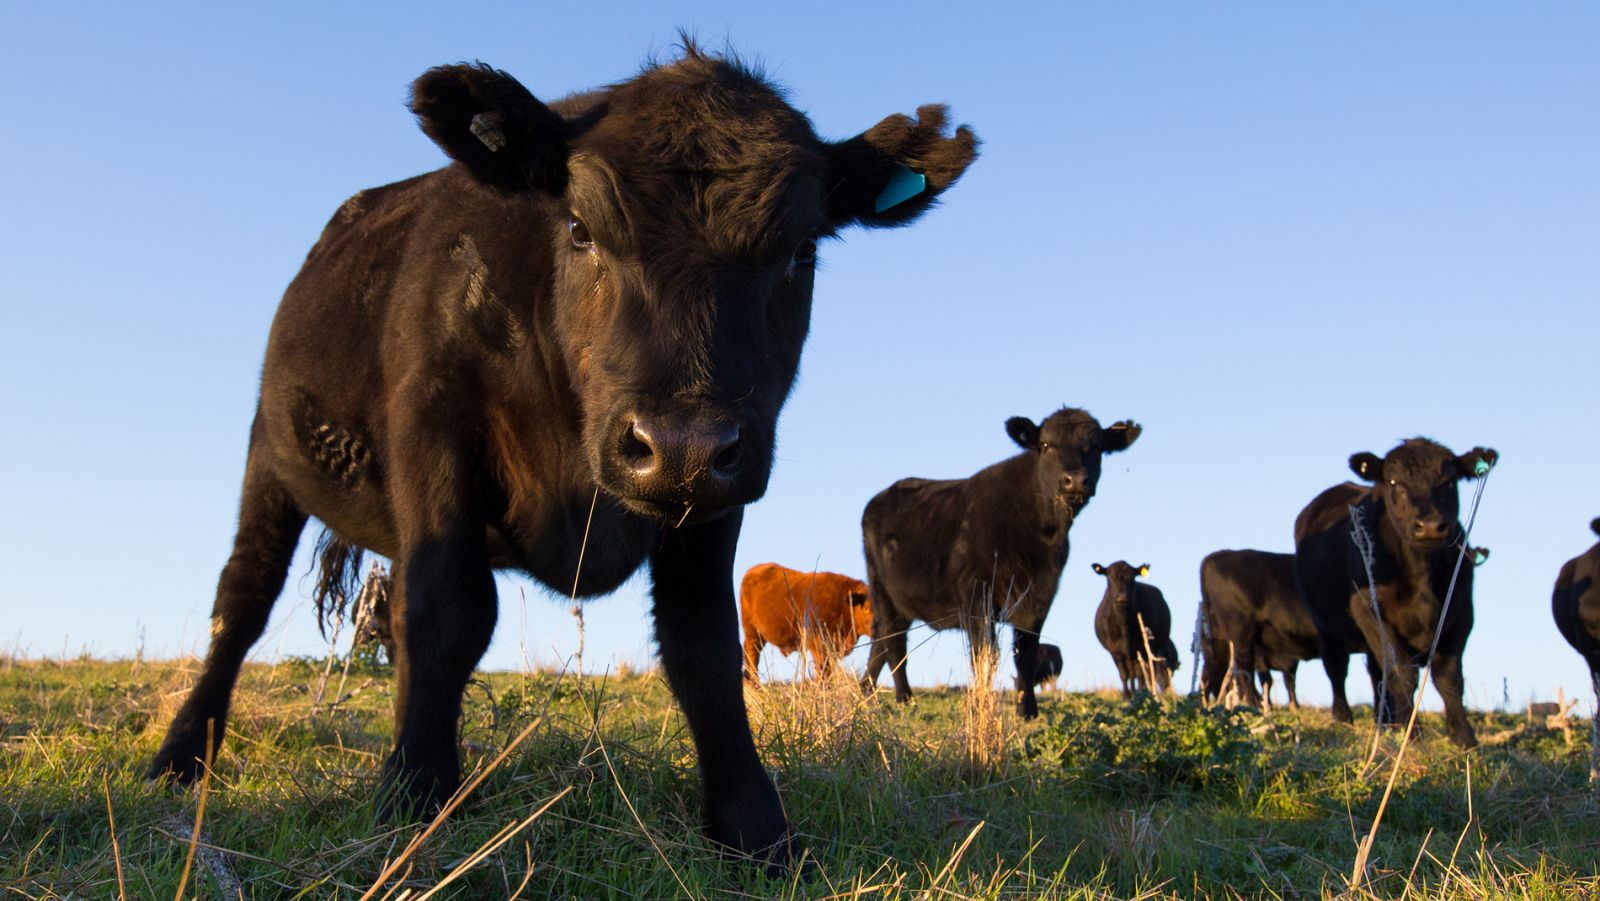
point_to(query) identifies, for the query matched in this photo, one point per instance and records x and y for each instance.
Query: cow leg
(697, 630)
(1336, 662)
(447, 607)
(1025, 656)
(888, 647)
(1125, 675)
(1213, 671)
(1448, 681)
(444, 603)
(753, 644)
(1265, 676)
(1244, 674)
(1288, 684)
(269, 528)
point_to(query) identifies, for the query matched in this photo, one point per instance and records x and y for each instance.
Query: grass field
(944, 798)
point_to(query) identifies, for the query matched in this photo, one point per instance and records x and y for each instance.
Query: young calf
(988, 548)
(1049, 666)
(819, 614)
(1134, 624)
(564, 353)
(1254, 620)
(1411, 514)
(1576, 605)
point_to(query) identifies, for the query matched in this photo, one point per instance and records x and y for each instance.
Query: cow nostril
(727, 453)
(637, 449)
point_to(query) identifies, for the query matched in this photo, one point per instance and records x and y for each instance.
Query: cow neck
(1415, 565)
(1032, 519)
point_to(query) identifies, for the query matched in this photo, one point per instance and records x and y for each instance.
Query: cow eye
(579, 233)
(806, 253)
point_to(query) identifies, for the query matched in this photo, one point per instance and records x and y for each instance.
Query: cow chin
(679, 513)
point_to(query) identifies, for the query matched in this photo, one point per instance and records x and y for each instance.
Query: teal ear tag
(903, 185)
(1479, 468)
(1478, 556)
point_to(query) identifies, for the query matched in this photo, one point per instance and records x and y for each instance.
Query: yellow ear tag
(1144, 570)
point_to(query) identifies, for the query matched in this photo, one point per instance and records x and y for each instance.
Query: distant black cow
(1134, 624)
(570, 345)
(1251, 610)
(1253, 618)
(968, 552)
(1411, 514)
(1048, 668)
(1576, 605)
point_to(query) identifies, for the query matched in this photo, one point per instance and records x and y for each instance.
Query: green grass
(1097, 799)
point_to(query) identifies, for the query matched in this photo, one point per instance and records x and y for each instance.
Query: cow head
(687, 205)
(1416, 485)
(860, 609)
(1119, 580)
(1066, 449)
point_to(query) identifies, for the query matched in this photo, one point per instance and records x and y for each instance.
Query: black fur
(1412, 514)
(987, 548)
(1126, 605)
(1575, 602)
(601, 302)
(1253, 615)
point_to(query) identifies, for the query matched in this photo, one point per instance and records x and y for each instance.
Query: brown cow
(822, 614)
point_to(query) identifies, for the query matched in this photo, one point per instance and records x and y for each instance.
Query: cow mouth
(1072, 501)
(675, 513)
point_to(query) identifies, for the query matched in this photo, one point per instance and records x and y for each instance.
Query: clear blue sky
(1274, 235)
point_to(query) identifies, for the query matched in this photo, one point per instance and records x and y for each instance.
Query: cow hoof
(783, 860)
(180, 759)
(412, 796)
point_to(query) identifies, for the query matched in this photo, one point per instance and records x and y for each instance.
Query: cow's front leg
(443, 612)
(1448, 681)
(697, 630)
(1025, 656)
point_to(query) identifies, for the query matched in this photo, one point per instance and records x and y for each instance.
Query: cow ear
(1367, 465)
(487, 121)
(1144, 569)
(1024, 432)
(1101, 570)
(894, 171)
(1594, 525)
(1477, 462)
(1480, 555)
(1121, 435)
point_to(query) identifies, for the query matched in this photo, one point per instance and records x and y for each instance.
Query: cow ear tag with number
(903, 185)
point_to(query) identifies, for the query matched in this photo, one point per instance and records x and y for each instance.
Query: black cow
(1252, 616)
(968, 552)
(1411, 515)
(1048, 667)
(1134, 624)
(1576, 605)
(1253, 612)
(570, 344)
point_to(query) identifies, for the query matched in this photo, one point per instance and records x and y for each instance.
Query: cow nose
(1428, 530)
(661, 452)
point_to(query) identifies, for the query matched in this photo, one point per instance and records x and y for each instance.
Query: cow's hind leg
(888, 647)
(269, 528)
(1336, 661)
(1288, 684)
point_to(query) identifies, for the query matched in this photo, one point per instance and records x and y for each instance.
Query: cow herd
(1380, 569)
(565, 354)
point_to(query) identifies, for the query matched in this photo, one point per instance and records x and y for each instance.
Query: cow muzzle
(680, 467)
